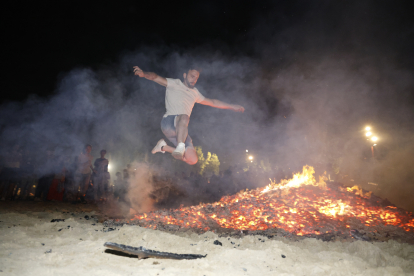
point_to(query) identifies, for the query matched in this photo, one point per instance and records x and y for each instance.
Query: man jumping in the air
(180, 98)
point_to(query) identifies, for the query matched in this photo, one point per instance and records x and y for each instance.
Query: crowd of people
(81, 179)
(60, 178)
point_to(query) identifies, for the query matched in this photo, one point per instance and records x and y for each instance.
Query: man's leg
(178, 135)
(181, 128)
(190, 154)
(100, 187)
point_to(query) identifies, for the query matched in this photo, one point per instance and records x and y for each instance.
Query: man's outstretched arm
(219, 104)
(150, 76)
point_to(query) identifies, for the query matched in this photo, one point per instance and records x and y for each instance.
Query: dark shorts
(168, 128)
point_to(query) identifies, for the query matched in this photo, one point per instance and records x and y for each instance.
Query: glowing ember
(299, 205)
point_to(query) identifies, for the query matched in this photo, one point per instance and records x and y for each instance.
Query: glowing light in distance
(369, 133)
(251, 158)
(375, 138)
(374, 145)
(368, 128)
(247, 150)
(109, 167)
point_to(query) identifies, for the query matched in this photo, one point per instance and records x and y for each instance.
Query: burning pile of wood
(295, 208)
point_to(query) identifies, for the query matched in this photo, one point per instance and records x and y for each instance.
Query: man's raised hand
(238, 108)
(138, 71)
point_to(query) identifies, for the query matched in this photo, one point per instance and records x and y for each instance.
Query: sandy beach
(33, 245)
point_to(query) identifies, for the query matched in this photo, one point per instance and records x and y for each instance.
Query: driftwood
(144, 253)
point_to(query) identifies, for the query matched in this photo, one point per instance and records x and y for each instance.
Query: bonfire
(298, 207)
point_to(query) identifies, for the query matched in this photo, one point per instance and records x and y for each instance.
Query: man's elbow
(216, 103)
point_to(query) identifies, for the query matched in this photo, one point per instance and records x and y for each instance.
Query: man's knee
(190, 156)
(192, 161)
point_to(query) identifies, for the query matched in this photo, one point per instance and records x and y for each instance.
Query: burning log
(144, 253)
(296, 208)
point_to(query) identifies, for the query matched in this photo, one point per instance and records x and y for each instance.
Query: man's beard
(188, 84)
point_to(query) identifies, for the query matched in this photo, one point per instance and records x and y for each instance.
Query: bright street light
(369, 133)
(247, 150)
(368, 128)
(375, 138)
(250, 157)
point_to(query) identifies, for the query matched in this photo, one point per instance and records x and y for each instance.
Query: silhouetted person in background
(125, 175)
(101, 176)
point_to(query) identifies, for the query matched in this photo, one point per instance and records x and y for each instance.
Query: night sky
(45, 40)
(42, 41)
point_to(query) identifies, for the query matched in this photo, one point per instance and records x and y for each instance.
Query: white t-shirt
(179, 99)
(84, 163)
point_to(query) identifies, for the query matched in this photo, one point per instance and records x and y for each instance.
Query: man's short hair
(195, 67)
(103, 151)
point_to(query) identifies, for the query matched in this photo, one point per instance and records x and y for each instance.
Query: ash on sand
(33, 245)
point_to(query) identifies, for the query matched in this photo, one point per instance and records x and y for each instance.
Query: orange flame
(300, 205)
